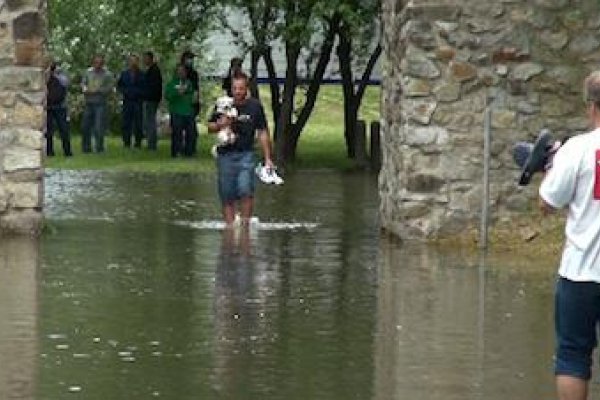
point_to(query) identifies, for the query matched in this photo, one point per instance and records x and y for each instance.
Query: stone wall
(22, 116)
(444, 60)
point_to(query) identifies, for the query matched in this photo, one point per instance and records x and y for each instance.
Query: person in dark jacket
(190, 143)
(131, 85)
(57, 84)
(153, 95)
(235, 66)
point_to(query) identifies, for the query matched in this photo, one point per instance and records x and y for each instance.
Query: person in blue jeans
(97, 85)
(179, 93)
(131, 85)
(190, 140)
(235, 161)
(573, 182)
(57, 84)
(152, 97)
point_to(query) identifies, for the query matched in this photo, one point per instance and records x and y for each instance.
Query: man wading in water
(574, 182)
(235, 161)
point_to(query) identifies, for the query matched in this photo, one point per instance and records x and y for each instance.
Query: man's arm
(558, 186)
(545, 207)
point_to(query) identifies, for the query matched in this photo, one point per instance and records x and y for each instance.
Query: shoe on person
(537, 159)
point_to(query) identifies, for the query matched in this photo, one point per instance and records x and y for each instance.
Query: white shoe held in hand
(268, 175)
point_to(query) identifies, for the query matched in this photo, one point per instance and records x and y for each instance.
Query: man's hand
(269, 163)
(546, 208)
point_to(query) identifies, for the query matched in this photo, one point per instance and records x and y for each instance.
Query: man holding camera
(573, 181)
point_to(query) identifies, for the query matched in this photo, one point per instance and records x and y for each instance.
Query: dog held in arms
(225, 136)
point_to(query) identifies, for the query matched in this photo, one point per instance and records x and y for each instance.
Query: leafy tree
(357, 56)
(301, 27)
(115, 28)
(308, 27)
(78, 29)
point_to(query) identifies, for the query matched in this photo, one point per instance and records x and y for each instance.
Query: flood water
(136, 293)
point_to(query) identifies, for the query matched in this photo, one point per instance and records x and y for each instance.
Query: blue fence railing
(328, 81)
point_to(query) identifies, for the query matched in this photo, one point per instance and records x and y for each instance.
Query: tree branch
(367, 74)
(315, 83)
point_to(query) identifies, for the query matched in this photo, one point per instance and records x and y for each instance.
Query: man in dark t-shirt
(235, 161)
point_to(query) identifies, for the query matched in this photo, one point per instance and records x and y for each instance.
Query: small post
(485, 198)
(360, 144)
(375, 148)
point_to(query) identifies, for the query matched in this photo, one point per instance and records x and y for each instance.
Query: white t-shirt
(570, 182)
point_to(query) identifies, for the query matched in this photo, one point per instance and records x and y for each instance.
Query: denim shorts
(577, 313)
(235, 175)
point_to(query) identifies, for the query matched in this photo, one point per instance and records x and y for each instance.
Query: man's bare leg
(247, 206)
(571, 388)
(229, 213)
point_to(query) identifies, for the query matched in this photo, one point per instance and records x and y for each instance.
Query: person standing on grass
(573, 181)
(235, 161)
(179, 93)
(152, 97)
(131, 85)
(57, 84)
(190, 140)
(97, 85)
(235, 66)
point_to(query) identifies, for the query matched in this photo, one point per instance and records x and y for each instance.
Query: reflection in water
(138, 301)
(18, 318)
(454, 328)
(143, 305)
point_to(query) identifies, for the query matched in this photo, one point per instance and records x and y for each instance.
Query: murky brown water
(137, 294)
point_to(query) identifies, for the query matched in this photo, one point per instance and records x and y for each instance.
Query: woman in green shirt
(180, 96)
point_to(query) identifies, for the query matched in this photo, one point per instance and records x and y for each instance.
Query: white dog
(226, 135)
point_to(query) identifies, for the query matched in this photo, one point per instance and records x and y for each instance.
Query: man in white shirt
(574, 182)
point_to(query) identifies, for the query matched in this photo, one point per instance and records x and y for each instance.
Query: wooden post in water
(375, 148)
(360, 143)
(485, 193)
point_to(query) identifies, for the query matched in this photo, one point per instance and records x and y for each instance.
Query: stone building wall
(443, 61)
(22, 93)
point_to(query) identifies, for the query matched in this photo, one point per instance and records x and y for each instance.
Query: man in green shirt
(180, 96)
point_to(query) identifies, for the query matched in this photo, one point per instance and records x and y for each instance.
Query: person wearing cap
(235, 161)
(573, 182)
(152, 96)
(190, 140)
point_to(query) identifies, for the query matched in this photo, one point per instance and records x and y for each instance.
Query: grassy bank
(321, 145)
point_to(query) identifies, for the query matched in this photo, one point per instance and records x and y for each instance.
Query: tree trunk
(344, 52)
(275, 91)
(317, 78)
(287, 104)
(294, 129)
(254, 59)
(360, 91)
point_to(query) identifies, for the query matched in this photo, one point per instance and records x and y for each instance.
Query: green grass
(321, 144)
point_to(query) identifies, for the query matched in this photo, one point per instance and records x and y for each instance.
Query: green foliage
(81, 28)
(115, 28)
